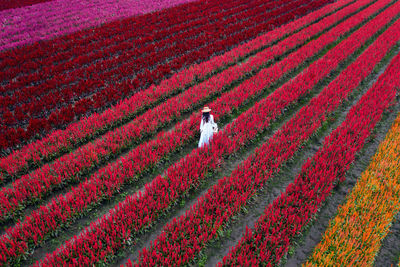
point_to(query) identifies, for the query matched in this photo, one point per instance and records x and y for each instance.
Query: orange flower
(354, 236)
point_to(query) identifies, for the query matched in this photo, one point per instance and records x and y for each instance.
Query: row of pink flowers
(143, 208)
(47, 20)
(44, 150)
(184, 237)
(106, 82)
(286, 216)
(71, 166)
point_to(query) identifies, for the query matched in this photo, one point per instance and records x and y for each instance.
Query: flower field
(100, 112)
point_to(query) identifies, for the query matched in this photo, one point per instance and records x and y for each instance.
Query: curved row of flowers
(109, 179)
(44, 150)
(184, 237)
(356, 232)
(56, 109)
(287, 215)
(71, 166)
(139, 211)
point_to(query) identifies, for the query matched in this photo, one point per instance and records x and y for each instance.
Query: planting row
(54, 18)
(294, 209)
(103, 94)
(139, 211)
(52, 146)
(81, 161)
(356, 233)
(108, 180)
(182, 239)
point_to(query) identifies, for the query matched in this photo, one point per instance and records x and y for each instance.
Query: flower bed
(109, 179)
(142, 209)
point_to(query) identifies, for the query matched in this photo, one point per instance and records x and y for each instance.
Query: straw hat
(206, 109)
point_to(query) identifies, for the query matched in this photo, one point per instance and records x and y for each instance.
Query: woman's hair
(206, 116)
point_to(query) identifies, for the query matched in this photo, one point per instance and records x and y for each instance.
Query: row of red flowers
(287, 215)
(109, 179)
(71, 166)
(143, 208)
(9, 4)
(63, 112)
(184, 237)
(46, 149)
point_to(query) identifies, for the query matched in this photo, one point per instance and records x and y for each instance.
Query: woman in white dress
(207, 127)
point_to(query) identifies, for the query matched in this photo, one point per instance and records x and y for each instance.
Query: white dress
(206, 130)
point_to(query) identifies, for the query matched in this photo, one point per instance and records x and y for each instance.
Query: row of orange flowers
(355, 234)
